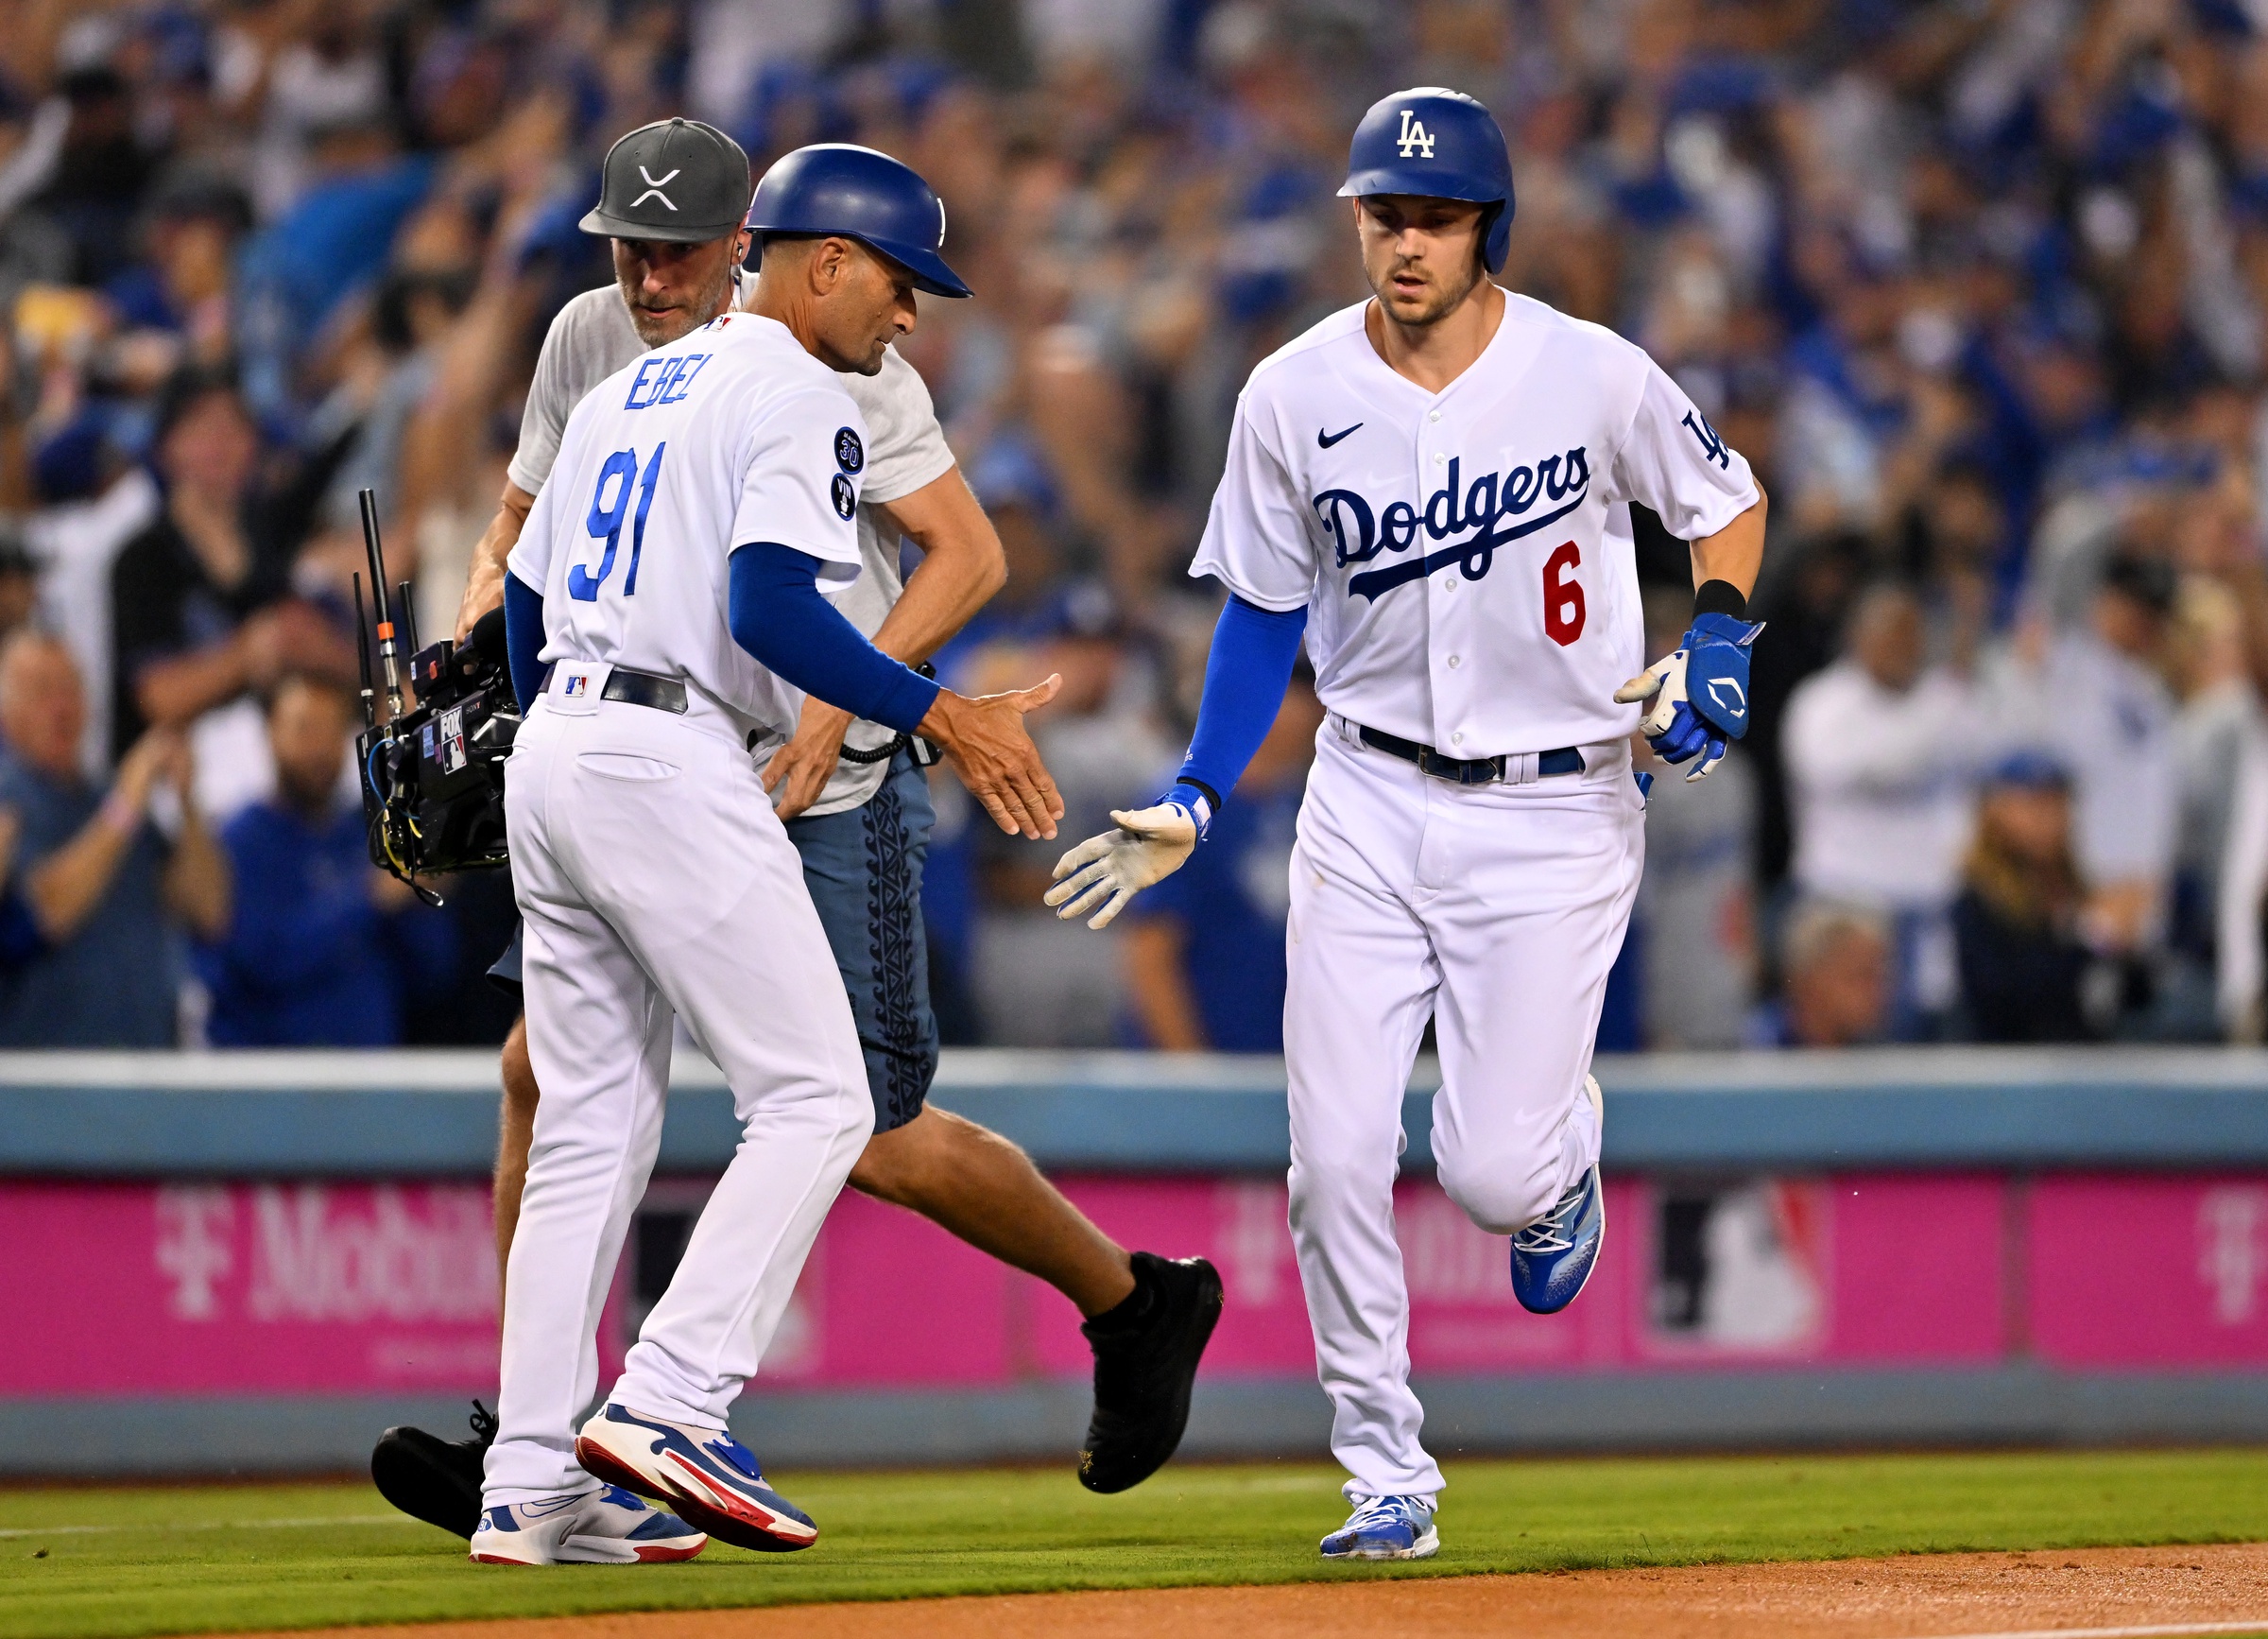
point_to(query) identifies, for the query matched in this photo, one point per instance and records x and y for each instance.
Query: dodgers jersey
(592, 338)
(731, 435)
(1466, 556)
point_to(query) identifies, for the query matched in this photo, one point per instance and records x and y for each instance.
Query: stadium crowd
(1980, 287)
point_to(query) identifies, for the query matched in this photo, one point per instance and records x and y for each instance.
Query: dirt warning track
(2099, 1592)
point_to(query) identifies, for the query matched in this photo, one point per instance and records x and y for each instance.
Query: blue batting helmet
(843, 189)
(1441, 143)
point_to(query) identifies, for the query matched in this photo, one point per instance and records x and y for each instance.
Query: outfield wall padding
(253, 1262)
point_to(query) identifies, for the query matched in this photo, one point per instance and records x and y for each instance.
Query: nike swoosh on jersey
(1324, 439)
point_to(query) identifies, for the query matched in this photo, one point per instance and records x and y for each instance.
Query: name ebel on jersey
(1359, 531)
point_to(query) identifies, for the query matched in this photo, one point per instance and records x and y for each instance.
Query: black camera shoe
(434, 1479)
(1146, 1359)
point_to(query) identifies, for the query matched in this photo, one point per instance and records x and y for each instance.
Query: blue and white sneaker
(1551, 1258)
(1385, 1528)
(606, 1526)
(704, 1474)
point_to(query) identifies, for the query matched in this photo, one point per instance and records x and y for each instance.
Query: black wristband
(1720, 598)
(1209, 795)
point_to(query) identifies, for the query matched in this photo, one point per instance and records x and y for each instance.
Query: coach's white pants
(1495, 910)
(656, 881)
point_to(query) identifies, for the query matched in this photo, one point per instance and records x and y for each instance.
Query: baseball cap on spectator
(1012, 474)
(2031, 770)
(193, 197)
(2148, 581)
(677, 180)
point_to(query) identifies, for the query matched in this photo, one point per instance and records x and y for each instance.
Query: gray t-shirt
(592, 338)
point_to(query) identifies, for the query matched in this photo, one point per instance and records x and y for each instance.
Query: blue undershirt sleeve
(524, 638)
(779, 616)
(1245, 675)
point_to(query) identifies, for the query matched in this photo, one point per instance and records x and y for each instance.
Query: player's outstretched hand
(986, 742)
(1148, 846)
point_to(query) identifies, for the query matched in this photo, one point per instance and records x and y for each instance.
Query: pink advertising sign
(247, 1288)
(2148, 1273)
(365, 1289)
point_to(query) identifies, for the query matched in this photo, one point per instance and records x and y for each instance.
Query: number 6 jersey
(1466, 556)
(732, 435)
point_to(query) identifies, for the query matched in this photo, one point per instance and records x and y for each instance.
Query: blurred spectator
(202, 603)
(1695, 926)
(97, 183)
(100, 879)
(2023, 967)
(324, 950)
(1881, 750)
(1804, 598)
(180, 294)
(2097, 697)
(19, 585)
(1039, 981)
(1204, 949)
(1837, 984)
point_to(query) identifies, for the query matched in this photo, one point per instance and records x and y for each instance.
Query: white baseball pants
(1496, 911)
(656, 881)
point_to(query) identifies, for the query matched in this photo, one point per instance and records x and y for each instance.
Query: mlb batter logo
(577, 684)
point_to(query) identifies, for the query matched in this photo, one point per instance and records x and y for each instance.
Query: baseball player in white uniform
(1434, 488)
(665, 613)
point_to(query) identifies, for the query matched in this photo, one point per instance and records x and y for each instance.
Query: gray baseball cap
(675, 180)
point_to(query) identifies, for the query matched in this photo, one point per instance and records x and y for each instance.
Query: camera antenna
(385, 625)
(409, 617)
(362, 654)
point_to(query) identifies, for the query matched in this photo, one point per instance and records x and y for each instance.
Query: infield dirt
(1912, 1597)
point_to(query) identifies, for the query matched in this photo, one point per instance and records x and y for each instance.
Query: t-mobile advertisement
(370, 1287)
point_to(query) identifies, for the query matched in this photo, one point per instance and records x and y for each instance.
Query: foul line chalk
(2165, 1631)
(217, 1526)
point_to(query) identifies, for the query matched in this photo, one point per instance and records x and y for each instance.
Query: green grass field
(210, 1559)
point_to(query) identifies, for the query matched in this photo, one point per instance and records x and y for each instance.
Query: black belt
(642, 689)
(638, 688)
(1467, 770)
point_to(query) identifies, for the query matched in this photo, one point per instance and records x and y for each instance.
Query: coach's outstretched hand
(985, 741)
(1149, 845)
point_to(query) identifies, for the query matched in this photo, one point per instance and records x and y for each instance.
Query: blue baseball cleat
(606, 1526)
(1385, 1528)
(704, 1474)
(1551, 1258)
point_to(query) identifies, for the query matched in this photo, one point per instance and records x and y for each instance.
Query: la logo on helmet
(1415, 138)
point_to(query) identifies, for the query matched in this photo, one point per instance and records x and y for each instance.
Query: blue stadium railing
(432, 1114)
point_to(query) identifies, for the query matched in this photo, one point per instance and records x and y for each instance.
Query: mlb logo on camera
(577, 684)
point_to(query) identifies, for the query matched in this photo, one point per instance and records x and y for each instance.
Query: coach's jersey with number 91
(732, 435)
(1466, 556)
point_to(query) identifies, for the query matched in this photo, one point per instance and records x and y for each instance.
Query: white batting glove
(1149, 845)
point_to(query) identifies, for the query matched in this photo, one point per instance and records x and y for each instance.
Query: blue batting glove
(1699, 693)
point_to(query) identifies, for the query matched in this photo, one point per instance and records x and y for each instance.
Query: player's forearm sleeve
(1245, 675)
(524, 638)
(779, 616)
